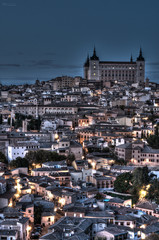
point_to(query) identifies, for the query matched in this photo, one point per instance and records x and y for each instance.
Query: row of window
(116, 67)
(150, 160)
(117, 75)
(28, 147)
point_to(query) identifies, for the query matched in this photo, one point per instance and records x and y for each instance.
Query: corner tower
(140, 73)
(93, 73)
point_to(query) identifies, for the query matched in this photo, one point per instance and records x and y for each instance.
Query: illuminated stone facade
(105, 71)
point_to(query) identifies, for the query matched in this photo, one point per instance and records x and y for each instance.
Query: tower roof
(131, 58)
(140, 57)
(87, 61)
(94, 56)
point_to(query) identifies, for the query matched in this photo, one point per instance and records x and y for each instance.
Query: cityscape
(79, 140)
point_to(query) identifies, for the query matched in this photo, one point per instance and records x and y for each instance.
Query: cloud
(7, 4)
(44, 63)
(47, 63)
(41, 64)
(60, 66)
(9, 65)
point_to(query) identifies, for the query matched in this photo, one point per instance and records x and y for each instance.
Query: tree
(152, 118)
(156, 130)
(38, 209)
(118, 161)
(3, 158)
(153, 141)
(19, 162)
(133, 183)
(153, 192)
(105, 150)
(70, 159)
(18, 120)
(1, 119)
(141, 179)
(99, 196)
(34, 124)
(123, 183)
(41, 156)
(141, 176)
(122, 107)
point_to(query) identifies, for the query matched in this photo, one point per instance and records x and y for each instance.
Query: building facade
(105, 72)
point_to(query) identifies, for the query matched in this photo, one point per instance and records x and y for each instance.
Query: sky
(48, 38)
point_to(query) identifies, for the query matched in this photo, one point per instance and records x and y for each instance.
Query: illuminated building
(105, 72)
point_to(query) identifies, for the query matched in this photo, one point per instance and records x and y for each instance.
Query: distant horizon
(45, 76)
(45, 39)
(45, 70)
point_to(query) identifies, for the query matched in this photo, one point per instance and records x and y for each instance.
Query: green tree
(3, 158)
(122, 107)
(70, 159)
(123, 183)
(118, 161)
(99, 196)
(1, 119)
(153, 141)
(34, 124)
(18, 120)
(41, 156)
(152, 118)
(38, 209)
(105, 150)
(19, 162)
(8, 121)
(133, 182)
(141, 176)
(153, 192)
(156, 130)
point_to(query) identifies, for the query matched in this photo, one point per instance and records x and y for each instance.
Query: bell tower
(140, 73)
(93, 73)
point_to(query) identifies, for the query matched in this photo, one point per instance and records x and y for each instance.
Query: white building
(20, 149)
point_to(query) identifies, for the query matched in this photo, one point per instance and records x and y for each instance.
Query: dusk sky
(48, 38)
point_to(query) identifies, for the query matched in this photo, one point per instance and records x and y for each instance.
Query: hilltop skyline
(44, 40)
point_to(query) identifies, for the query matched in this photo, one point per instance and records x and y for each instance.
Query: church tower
(93, 73)
(140, 73)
